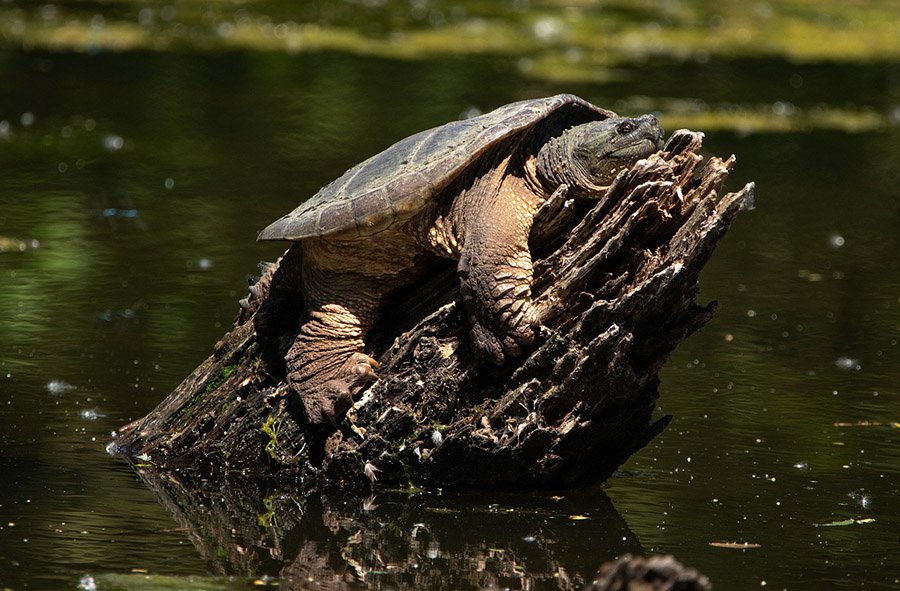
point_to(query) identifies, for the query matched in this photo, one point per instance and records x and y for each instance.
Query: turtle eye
(625, 127)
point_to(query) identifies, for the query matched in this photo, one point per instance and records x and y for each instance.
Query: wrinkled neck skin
(556, 165)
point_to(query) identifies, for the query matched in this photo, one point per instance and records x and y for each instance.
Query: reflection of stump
(394, 540)
(615, 280)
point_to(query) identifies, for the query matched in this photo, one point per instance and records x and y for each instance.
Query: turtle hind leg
(326, 365)
(343, 285)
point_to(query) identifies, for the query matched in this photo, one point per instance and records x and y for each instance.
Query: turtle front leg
(495, 271)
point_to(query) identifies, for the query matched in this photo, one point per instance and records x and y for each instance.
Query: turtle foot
(328, 403)
(505, 341)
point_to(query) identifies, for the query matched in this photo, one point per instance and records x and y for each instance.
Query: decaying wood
(615, 281)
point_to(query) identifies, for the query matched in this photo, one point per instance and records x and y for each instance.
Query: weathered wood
(615, 281)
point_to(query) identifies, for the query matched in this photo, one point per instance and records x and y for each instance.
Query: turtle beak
(654, 131)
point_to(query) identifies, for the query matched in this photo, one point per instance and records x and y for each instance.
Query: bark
(615, 281)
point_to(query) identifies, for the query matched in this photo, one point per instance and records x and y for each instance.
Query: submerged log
(615, 282)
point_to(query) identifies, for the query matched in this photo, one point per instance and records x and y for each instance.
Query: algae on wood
(615, 280)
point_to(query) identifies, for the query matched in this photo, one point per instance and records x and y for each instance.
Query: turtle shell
(398, 182)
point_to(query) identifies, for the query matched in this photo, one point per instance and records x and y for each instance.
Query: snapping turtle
(467, 190)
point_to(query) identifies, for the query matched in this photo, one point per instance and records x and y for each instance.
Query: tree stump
(615, 282)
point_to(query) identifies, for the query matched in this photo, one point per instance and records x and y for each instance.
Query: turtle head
(606, 147)
(589, 156)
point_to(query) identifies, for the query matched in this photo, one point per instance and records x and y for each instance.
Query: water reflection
(399, 540)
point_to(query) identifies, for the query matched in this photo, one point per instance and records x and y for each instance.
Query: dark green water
(144, 176)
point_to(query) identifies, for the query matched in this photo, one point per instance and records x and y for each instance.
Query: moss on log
(615, 281)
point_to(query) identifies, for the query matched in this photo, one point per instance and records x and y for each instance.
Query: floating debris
(58, 387)
(371, 471)
(114, 212)
(809, 275)
(896, 425)
(735, 545)
(845, 522)
(836, 241)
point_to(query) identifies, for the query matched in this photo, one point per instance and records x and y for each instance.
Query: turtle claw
(329, 403)
(508, 341)
(362, 367)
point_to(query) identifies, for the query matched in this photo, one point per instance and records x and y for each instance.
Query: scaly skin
(495, 267)
(483, 220)
(343, 282)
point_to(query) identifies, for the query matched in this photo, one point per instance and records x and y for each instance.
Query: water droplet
(113, 142)
(847, 363)
(90, 414)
